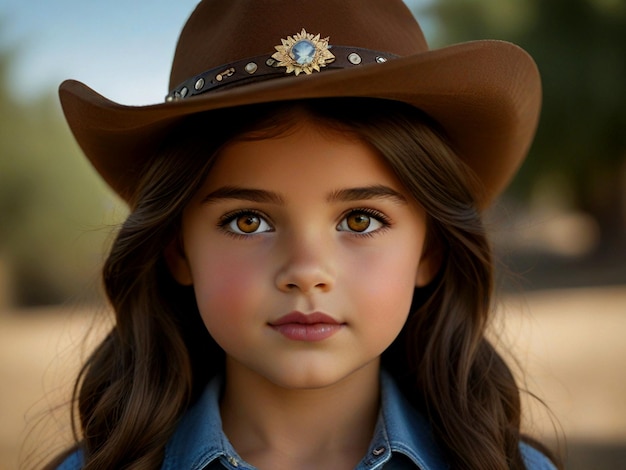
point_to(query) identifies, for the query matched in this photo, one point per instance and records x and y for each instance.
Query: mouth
(311, 327)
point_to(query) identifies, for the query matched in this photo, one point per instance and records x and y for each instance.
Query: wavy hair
(158, 357)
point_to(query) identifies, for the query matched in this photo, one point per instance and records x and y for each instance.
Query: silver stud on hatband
(251, 67)
(355, 58)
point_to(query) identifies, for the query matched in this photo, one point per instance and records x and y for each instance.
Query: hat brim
(485, 94)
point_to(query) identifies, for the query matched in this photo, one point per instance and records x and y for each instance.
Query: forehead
(305, 153)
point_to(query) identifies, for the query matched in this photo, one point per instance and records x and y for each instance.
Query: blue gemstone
(303, 52)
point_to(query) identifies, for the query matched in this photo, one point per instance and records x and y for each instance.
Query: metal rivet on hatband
(355, 58)
(225, 74)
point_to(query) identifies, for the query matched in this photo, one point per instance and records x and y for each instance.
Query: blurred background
(560, 230)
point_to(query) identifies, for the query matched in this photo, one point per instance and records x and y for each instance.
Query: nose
(307, 266)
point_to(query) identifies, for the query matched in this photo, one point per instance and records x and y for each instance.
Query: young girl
(304, 281)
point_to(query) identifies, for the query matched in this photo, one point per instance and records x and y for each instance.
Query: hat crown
(220, 32)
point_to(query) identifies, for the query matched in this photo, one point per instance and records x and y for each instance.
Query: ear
(176, 261)
(429, 265)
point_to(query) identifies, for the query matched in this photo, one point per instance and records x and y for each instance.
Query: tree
(52, 205)
(580, 48)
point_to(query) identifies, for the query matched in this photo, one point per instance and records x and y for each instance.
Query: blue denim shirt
(402, 439)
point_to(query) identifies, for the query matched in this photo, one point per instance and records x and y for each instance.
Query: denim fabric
(402, 439)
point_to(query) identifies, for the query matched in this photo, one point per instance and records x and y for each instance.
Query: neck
(274, 427)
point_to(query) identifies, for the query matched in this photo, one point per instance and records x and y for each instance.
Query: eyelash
(228, 218)
(375, 214)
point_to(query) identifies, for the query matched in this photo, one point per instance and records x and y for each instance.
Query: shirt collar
(407, 431)
(199, 439)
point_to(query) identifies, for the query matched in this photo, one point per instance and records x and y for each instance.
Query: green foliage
(580, 48)
(53, 207)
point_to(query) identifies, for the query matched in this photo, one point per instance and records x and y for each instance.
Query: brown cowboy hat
(485, 94)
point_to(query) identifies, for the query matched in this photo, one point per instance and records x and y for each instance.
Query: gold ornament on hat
(303, 52)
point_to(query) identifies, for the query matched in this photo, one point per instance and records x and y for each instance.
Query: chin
(306, 383)
(317, 378)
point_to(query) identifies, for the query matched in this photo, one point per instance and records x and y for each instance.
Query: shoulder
(534, 458)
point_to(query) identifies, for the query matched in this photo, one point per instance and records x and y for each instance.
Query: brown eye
(248, 223)
(358, 222)
(361, 222)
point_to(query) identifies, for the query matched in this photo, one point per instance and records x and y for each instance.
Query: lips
(298, 326)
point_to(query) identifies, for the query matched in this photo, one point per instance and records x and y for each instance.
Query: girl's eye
(362, 222)
(245, 223)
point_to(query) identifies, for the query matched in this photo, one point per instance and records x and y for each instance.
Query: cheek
(227, 286)
(390, 271)
(391, 290)
(383, 286)
(389, 285)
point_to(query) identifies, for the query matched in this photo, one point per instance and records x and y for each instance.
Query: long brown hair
(158, 356)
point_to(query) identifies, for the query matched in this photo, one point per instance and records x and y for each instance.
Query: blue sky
(100, 43)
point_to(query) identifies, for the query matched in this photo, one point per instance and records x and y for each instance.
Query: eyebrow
(365, 193)
(271, 197)
(243, 194)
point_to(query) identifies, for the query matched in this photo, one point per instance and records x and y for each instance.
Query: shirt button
(233, 461)
(378, 451)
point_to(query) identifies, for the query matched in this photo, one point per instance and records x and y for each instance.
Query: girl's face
(303, 251)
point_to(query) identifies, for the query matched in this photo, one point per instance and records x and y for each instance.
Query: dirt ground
(570, 344)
